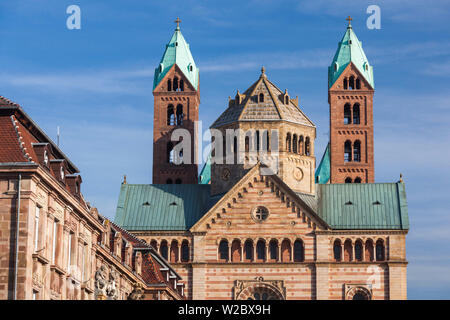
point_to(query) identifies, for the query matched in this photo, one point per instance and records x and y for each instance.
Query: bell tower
(176, 92)
(350, 96)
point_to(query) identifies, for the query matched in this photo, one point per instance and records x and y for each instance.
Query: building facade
(53, 244)
(266, 224)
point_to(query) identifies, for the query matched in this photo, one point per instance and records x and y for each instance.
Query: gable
(173, 72)
(234, 210)
(348, 71)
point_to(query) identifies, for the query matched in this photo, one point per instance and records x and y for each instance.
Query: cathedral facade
(261, 222)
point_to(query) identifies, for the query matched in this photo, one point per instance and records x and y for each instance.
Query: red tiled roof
(10, 150)
(151, 271)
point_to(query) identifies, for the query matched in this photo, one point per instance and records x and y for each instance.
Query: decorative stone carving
(111, 289)
(137, 293)
(100, 282)
(251, 289)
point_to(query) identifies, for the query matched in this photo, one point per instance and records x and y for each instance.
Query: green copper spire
(350, 50)
(177, 52)
(323, 170)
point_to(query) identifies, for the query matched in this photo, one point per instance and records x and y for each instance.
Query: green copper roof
(323, 170)
(205, 174)
(177, 52)
(350, 50)
(162, 206)
(351, 206)
(363, 206)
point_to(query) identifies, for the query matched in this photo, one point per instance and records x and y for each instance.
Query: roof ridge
(247, 97)
(274, 99)
(8, 101)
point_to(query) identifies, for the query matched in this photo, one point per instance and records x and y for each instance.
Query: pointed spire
(349, 51)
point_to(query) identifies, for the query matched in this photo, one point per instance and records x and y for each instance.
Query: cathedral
(261, 222)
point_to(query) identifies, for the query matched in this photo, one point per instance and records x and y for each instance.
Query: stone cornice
(361, 232)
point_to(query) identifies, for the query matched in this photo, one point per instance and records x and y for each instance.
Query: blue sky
(96, 84)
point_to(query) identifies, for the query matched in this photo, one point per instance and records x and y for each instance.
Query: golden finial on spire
(124, 179)
(178, 21)
(349, 19)
(401, 178)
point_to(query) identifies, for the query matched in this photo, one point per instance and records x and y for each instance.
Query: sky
(95, 83)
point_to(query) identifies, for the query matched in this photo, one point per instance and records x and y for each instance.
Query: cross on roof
(349, 19)
(178, 22)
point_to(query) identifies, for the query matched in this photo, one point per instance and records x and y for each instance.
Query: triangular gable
(279, 188)
(257, 111)
(337, 85)
(170, 73)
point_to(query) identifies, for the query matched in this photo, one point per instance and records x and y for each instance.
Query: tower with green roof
(350, 96)
(176, 92)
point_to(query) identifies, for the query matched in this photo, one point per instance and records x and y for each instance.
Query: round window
(260, 213)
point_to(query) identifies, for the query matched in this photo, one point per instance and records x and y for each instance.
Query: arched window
(356, 119)
(348, 250)
(257, 137)
(357, 180)
(154, 244)
(170, 115)
(180, 115)
(298, 251)
(261, 250)
(345, 84)
(181, 85)
(347, 151)
(175, 84)
(178, 181)
(301, 146)
(347, 114)
(267, 139)
(357, 151)
(288, 142)
(294, 143)
(368, 252)
(169, 181)
(223, 251)
(247, 143)
(285, 250)
(348, 180)
(307, 147)
(337, 250)
(184, 251)
(169, 85)
(358, 250)
(351, 83)
(358, 84)
(380, 250)
(273, 250)
(248, 250)
(236, 251)
(170, 153)
(163, 249)
(174, 251)
(261, 97)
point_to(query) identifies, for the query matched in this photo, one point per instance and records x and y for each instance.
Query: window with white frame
(36, 228)
(55, 234)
